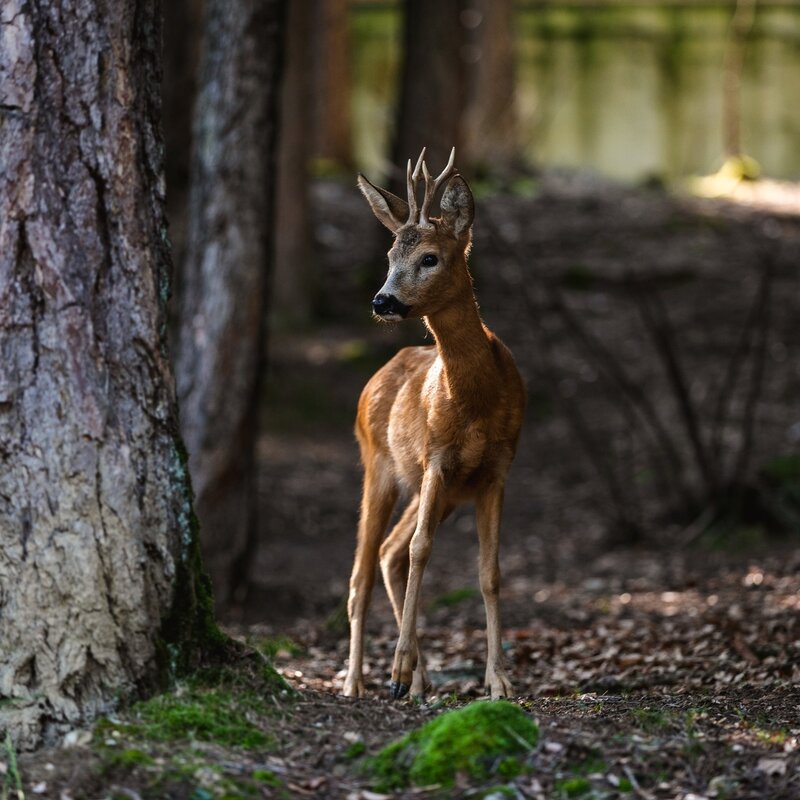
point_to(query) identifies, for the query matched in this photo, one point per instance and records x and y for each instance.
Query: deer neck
(465, 351)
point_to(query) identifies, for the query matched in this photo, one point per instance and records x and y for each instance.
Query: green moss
(221, 704)
(572, 787)
(266, 777)
(270, 646)
(212, 717)
(209, 716)
(354, 750)
(189, 631)
(129, 758)
(483, 740)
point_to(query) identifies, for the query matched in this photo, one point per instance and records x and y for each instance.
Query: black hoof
(398, 690)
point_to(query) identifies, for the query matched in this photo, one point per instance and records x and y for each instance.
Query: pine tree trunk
(332, 129)
(99, 576)
(432, 89)
(491, 123)
(225, 274)
(183, 27)
(293, 284)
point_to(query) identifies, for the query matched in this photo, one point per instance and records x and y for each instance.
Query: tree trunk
(432, 89)
(183, 27)
(332, 129)
(293, 286)
(491, 124)
(225, 275)
(99, 575)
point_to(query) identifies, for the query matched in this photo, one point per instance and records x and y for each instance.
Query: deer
(437, 425)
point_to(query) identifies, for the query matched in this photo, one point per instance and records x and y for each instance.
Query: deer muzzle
(387, 306)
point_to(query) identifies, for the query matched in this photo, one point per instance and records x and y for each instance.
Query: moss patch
(483, 740)
(223, 705)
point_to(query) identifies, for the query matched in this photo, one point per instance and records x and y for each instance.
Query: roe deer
(439, 424)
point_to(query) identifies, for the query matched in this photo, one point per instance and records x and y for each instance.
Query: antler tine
(412, 178)
(431, 187)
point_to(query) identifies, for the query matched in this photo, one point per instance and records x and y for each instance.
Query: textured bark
(491, 123)
(432, 90)
(332, 129)
(293, 285)
(97, 566)
(225, 275)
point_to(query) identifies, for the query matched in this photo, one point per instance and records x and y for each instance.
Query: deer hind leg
(429, 514)
(394, 560)
(377, 503)
(489, 507)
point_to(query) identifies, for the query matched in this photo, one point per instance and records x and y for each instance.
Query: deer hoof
(398, 690)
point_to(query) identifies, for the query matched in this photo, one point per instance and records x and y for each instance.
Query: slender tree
(332, 128)
(293, 284)
(224, 279)
(100, 586)
(432, 87)
(491, 127)
(183, 29)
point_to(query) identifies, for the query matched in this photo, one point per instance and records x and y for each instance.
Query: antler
(431, 186)
(412, 179)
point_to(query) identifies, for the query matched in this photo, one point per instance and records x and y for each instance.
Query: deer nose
(382, 303)
(385, 304)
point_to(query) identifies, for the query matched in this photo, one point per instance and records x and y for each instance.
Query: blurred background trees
(546, 103)
(652, 312)
(224, 278)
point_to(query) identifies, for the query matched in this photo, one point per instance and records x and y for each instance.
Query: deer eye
(429, 260)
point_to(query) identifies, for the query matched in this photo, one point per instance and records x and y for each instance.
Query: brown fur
(436, 424)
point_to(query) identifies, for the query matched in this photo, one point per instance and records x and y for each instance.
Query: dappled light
(399, 399)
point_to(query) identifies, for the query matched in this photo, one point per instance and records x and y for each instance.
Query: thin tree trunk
(332, 129)
(225, 276)
(293, 285)
(99, 574)
(432, 89)
(183, 27)
(491, 123)
(744, 15)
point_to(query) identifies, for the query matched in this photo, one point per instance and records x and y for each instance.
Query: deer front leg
(377, 503)
(489, 506)
(430, 511)
(394, 561)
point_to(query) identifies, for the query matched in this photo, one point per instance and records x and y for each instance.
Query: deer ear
(387, 207)
(458, 207)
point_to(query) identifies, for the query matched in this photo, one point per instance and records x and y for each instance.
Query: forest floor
(661, 665)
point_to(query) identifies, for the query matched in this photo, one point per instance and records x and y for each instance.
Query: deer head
(428, 260)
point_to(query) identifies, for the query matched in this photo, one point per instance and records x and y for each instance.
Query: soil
(657, 645)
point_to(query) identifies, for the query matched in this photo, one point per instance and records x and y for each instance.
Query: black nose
(382, 303)
(385, 304)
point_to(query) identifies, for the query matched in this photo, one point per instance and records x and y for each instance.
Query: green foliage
(483, 740)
